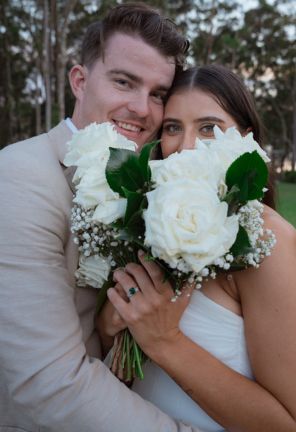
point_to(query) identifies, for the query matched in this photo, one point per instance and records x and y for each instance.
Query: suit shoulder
(29, 149)
(34, 159)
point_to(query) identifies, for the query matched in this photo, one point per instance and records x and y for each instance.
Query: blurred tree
(267, 57)
(259, 44)
(40, 40)
(15, 107)
(213, 25)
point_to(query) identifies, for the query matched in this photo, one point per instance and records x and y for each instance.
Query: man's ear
(77, 78)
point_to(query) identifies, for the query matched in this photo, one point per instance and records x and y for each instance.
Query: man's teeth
(129, 127)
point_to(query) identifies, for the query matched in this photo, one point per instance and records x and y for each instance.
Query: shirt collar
(71, 125)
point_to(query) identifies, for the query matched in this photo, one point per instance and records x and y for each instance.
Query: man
(51, 378)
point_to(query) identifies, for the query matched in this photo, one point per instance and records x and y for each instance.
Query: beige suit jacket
(51, 378)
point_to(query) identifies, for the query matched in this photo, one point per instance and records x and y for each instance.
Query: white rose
(89, 151)
(93, 270)
(110, 211)
(92, 189)
(193, 164)
(90, 146)
(185, 219)
(230, 145)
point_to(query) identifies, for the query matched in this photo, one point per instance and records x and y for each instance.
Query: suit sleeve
(44, 364)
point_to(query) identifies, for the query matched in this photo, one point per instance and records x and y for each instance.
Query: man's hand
(109, 322)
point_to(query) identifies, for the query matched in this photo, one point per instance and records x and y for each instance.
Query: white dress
(220, 332)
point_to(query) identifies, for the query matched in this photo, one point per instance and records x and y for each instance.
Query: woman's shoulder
(279, 265)
(282, 229)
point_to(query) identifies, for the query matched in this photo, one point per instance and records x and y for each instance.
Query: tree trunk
(285, 138)
(46, 66)
(61, 20)
(9, 101)
(38, 96)
(61, 75)
(38, 127)
(294, 127)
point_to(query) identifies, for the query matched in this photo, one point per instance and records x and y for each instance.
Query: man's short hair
(136, 19)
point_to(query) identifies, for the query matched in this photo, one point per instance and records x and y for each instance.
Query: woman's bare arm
(268, 297)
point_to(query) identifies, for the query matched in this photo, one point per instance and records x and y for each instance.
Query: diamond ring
(132, 291)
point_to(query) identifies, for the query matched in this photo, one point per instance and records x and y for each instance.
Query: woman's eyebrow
(209, 118)
(170, 119)
(199, 119)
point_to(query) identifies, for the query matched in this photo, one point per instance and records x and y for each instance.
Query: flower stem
(138, 361)
(128, 356)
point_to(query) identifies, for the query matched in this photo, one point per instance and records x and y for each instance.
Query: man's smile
(128, 126)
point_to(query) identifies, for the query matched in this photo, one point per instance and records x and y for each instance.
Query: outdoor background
(40, 41)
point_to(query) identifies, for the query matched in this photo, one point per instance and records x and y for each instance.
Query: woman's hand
(151, 315)
(109, 322)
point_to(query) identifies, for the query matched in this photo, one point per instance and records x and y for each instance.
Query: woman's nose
(188, 141)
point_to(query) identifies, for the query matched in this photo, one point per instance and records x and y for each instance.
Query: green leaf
(123, 171)
(242, 243)
(249, 174)
(136, 226)
(118, 224)
(232, 199)
(144, 158)
(134, 204)
(231, 194)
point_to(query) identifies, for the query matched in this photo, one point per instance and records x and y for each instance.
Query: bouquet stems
(127, 358)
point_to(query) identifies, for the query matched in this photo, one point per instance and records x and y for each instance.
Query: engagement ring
(132, 291)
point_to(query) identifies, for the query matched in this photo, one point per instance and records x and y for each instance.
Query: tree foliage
(40, 40)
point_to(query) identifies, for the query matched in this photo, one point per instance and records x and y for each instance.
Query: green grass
(286, 201)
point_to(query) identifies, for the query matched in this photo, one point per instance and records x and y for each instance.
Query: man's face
(125, 88)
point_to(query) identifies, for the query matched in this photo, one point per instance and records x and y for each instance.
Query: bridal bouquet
(196, 213)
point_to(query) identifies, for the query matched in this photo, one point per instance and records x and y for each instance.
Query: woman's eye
(207, 130)
(171, 129)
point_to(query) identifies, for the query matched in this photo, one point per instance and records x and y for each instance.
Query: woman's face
(191, 114)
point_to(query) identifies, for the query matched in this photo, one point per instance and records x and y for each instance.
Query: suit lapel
(59, 136)
(69, 174)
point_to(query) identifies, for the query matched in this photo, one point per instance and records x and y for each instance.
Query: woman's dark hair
(232, 95)
(135, 19)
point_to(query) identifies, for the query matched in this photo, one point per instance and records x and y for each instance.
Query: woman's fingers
(156, 274)
(135, 301)
(148, 276)
(119, 288)
(135, 280)
(121, 306)
(147, 279)
(126, 282)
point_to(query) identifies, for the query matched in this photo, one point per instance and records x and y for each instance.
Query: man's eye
(159, 97)
(122, 82)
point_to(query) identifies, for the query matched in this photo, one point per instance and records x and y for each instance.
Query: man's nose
(140, 105)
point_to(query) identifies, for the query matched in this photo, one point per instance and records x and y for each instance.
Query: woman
(229, 361)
